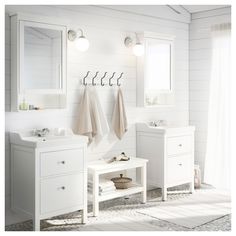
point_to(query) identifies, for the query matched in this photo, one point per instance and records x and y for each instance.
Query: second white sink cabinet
(49, 181)
(170, 151)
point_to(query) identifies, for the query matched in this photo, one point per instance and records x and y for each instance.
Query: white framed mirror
(38, 63)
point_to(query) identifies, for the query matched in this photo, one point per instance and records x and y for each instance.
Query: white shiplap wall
(106, 53)
(200, 68)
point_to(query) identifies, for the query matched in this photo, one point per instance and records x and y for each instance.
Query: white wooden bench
(98, 168)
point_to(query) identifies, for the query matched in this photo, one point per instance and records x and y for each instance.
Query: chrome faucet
(157, 123)
(41, 132)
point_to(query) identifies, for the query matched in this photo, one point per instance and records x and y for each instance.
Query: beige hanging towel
(119, 120)
(85, 126)
(97, 115)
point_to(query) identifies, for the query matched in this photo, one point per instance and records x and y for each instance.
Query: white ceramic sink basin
(144, 127)
(25, 138)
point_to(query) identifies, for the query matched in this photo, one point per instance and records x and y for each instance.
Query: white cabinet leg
(36, 224)
(84, 216)
(144, 183)
(191, 187)
(85, 210)
(164, 194)
(95, 194)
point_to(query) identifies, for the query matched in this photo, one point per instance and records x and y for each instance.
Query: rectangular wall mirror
(155, 71)
(158, 70)
(158, 65)
(41, 50)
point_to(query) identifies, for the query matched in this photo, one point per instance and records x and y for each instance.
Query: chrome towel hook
(93, 83)
(102, 84)
(111, 79)
(85, 83)
(118, 79)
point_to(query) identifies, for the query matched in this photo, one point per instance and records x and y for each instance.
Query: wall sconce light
(81, 43)
(138, 48)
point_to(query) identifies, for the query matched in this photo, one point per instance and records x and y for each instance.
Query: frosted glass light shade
(82, 44)
(138, 49)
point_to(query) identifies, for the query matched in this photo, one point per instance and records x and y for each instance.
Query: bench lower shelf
(135, 188)
(120, 193)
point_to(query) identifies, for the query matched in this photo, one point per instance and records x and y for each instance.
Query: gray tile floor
(121, 215)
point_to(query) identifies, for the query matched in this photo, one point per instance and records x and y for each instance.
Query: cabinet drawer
(179, 145)
(179, 168)
(61, 192)
(60, 162)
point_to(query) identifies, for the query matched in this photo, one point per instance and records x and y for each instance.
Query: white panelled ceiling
(180, 13)
(199, 8)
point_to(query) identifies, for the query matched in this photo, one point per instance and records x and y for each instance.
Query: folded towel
(85, 126)
(97, 115)
(102, 194)
(119, 120)
(103, 183)
(104, 190)
(108, 191)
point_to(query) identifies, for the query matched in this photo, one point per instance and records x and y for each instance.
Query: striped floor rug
(198, 209)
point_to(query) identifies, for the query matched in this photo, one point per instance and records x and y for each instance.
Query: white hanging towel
(85, 126)
(97, 115)
(119, 120)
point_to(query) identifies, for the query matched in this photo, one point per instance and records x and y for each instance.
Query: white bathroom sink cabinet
(170, 151)
(49, 181)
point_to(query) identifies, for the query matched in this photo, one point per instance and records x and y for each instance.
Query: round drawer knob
(63, 162)
(63, 187)
(180, 145)
(180, 164)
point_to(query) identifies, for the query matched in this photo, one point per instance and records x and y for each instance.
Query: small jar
(31, 107)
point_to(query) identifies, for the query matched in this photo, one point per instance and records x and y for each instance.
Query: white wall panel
(107, 53)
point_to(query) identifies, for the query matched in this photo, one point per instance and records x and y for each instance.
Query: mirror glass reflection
(42, 58)
(158, 79)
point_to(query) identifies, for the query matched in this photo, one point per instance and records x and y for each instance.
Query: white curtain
(217, 162)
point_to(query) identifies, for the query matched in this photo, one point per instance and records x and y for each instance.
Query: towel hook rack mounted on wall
(102, 84)
(93, 83)
(85, 83)
(110, 84)
(118, 79)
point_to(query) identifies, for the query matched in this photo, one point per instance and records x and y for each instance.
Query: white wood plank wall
(199, 75)
(106, 53)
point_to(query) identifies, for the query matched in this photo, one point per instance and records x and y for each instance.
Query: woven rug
(195, 210)
(123, 214)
